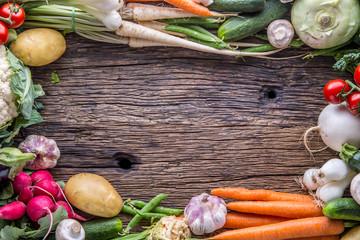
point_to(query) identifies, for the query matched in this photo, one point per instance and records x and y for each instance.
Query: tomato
(357, 75)
(17, 17)
(4, 33)
(332, 90)
(353, 101)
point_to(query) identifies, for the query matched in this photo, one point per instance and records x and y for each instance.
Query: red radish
(26, 194)
(21, 181)
(13, 211)
(60, 195)
(46, 187)
(39, 175)
(39, 207)
(71, 213)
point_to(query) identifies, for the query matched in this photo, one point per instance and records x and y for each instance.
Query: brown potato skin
(38, 46)
(93, 194)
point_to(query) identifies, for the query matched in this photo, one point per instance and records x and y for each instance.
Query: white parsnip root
(133, 30)
(138, 43)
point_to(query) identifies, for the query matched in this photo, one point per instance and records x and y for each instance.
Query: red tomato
(4, 33)
(357, 75)
(353, 101)
(17, 17)
(332, 90)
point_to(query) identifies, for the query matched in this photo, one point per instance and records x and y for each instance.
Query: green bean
(328, 51)
(135, 236)
(210, 44)
(190, 32)
(158, 209)
(261, 48)
(210, 25)
(146, 209)
(181, 21)
(204, 31)
(148, 216)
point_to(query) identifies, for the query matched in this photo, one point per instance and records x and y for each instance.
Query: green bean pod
(190, 32)
(158, 209)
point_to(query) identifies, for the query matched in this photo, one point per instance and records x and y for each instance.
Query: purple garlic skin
(46, 151)
(205, 214)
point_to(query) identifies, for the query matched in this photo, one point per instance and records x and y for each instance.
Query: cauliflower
(8, 109)
(170, 228)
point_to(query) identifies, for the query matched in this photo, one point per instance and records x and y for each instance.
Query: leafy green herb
(55, 78)
(15, 159)
(7, 191)
(347, 60)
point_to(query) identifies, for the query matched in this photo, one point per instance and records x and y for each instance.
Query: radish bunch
(38, 196)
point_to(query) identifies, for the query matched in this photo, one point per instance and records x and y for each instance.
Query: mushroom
(280, 33)
(355, 188)
(69, 229)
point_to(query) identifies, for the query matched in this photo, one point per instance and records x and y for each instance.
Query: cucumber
(237, 28)
(102, 229)
(342, 208)
(244, 6)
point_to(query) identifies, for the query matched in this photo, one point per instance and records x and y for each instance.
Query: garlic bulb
(205, 214)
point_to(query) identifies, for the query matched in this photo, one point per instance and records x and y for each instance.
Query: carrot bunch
(269, 215)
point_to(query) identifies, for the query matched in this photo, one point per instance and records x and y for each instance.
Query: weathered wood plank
(186, 121)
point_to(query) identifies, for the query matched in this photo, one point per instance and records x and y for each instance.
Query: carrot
(191, 7)
(292, 229)
(278, 208)
(334, 237)
(243, 220)
(259, 195)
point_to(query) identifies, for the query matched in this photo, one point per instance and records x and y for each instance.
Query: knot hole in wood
(125, 160)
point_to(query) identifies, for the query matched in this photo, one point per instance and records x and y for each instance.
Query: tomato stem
(13, 9)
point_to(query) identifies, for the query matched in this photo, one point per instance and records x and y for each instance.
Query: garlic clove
(335, 169)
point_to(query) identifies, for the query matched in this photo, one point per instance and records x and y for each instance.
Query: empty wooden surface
(169, 120)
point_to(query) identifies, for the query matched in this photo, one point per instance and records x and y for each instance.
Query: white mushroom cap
(69, 229)
(280, 33)
(355, 188)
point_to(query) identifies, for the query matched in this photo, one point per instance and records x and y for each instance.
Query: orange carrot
(191, 7)
(259, 195)
(292, 229)
(243, 220)
(334, 237)
(278, 208)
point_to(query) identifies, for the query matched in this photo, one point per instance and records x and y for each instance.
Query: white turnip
(336, 126)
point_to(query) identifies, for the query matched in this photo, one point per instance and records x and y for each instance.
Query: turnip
(21, 181)
(46, 187)
(68, 208)
(13, 211)
(25, 195)
(39, 175)
(337, 126)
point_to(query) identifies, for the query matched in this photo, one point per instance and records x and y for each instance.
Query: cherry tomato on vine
(357, 75)
(333, 88)
(353, 101)
(17, 17)
(4, 33)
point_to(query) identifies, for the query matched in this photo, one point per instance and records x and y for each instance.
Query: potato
(93, 194)
(39, 46)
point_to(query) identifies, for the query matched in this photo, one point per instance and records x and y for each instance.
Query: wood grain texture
(190, 121)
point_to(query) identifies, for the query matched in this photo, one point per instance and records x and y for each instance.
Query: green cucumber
(237, 28)
(102, 229)
(342, 208)
(244, 6)
(351, 155)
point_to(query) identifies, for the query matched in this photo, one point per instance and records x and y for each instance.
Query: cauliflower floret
(170, 228)
(8, 109)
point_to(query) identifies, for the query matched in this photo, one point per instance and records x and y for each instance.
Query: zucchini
(351, 155)
(245, 6)
(342, 208)
(102, 229)
(237, 28)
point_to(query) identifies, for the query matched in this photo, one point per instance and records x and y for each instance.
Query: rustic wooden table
(181, 122)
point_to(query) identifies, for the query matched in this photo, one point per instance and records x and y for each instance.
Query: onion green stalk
(69, 19)
(325, 24)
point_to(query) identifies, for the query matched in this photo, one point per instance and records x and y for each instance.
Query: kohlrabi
(325, 23)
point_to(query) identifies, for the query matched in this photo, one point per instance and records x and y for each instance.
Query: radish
(39, 207)
(21, 181)
(13, 211)
(39, 175)
(60, 195)
(337, 126)
(68, 208)
(46, 187)
(26, 194)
